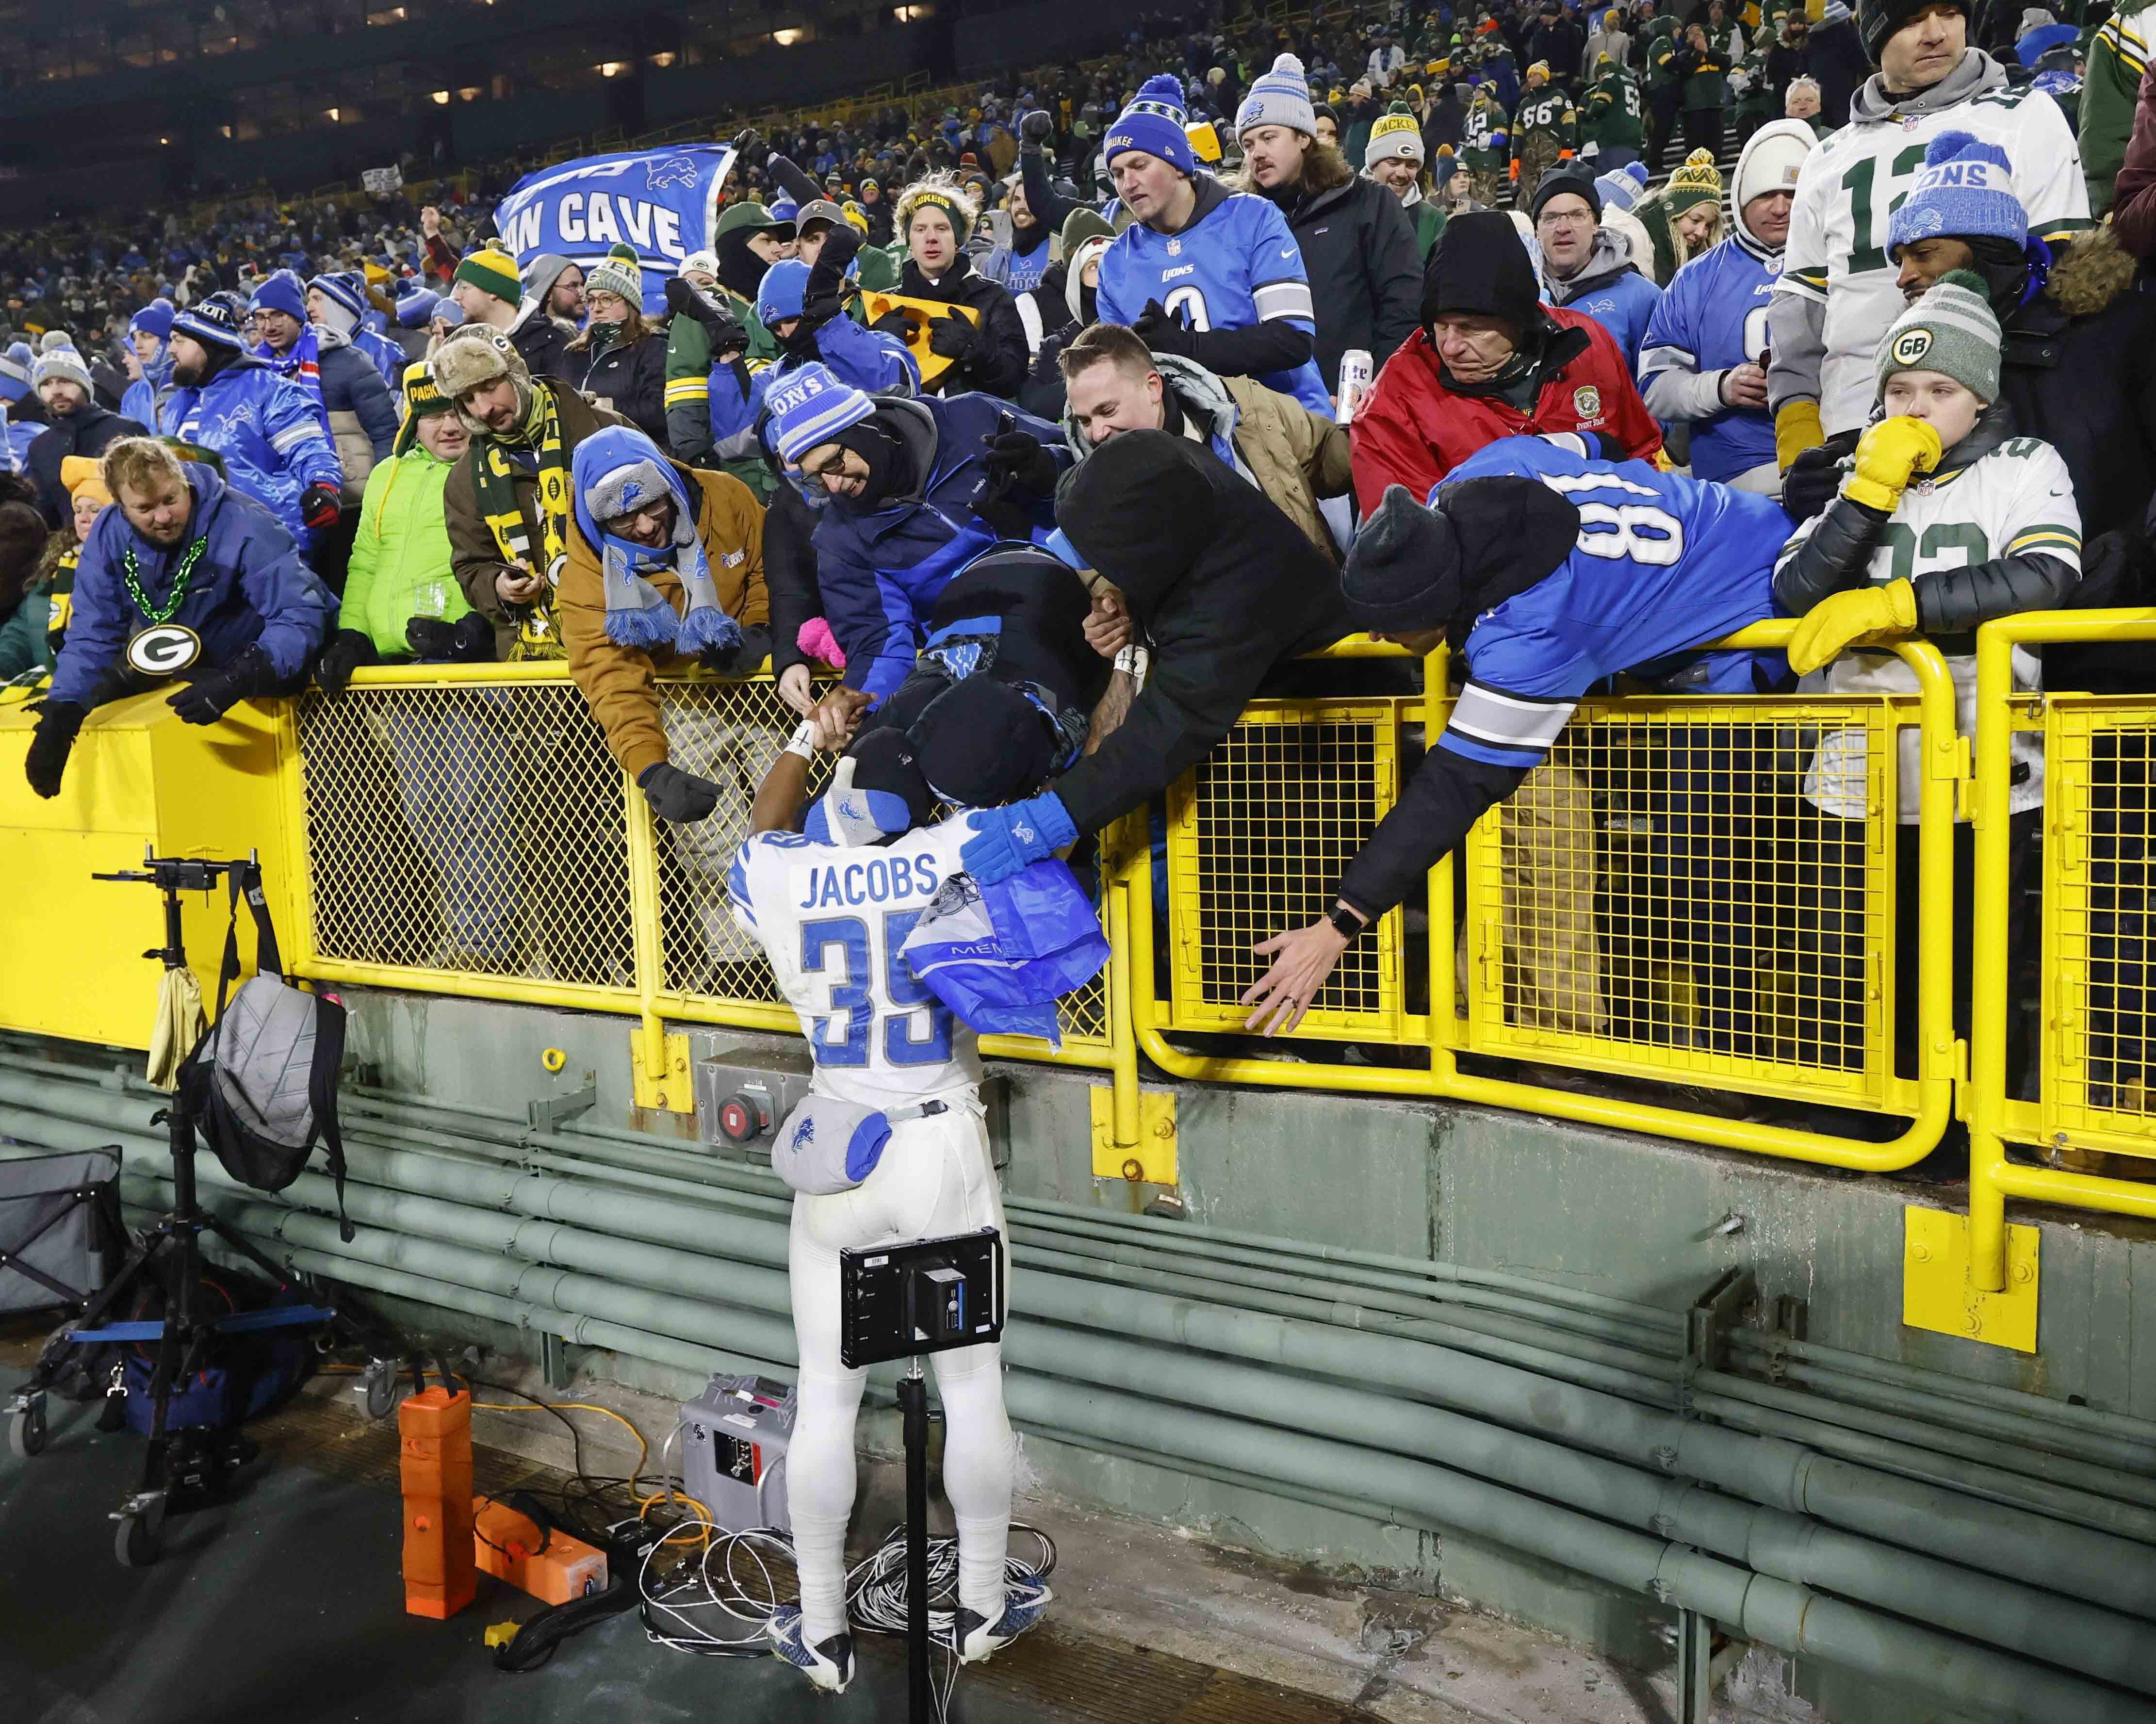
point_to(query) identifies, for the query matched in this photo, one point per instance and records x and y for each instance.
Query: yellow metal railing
(2099, 836)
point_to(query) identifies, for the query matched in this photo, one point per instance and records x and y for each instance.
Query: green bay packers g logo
(1911, 345)
(165, 650)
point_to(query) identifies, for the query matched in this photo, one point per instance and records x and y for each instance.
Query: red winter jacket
(1415, 430)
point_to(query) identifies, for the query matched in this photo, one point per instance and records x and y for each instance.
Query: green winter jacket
(689, 389)
(2117, 58)
(400, 557)
(23, 643)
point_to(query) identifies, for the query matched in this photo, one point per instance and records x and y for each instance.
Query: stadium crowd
(1057, 428)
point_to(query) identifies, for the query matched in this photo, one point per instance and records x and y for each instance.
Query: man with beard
(507, 504)
(267, 429)
(75, 425)
(184, 553)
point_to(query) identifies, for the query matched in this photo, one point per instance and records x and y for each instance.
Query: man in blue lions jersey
(1549, 572)
(1703, 361)
(1203, 273)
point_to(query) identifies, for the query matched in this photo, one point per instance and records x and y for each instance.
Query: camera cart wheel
(137, 1529)
(26, 1429)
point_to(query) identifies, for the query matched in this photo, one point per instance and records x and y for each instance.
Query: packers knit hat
(1951, 330)
(706, 263)
(1540, 67)
(1878, 20)
(1964, 191)
(1699, 181)
(422, 399)
(811, 406)
(1152, 124)
(1396, 133)
(1280, 97)
(84, 476)
(620, 272)
(491, 270)
(61, 362)
(1084, 223)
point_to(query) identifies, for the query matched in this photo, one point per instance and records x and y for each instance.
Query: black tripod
(188, 1468)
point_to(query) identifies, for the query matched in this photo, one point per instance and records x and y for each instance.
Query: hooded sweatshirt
(1610, 290)
(1221, 585)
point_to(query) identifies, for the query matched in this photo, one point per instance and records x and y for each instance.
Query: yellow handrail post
(1987, 963)
(1122, 1038)
(656, 1054)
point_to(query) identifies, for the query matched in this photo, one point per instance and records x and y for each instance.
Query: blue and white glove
(1005, 840)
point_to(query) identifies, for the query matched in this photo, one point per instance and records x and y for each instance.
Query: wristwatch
(1345, 922)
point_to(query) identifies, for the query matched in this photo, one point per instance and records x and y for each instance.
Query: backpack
(261, 1084)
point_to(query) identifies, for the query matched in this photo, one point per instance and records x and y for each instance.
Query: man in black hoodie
(77, 426)
(1223, 587)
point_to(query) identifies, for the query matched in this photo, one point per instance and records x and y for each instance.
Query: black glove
(742, 658)
(207, 699)
(1038, 128)
(953, 337)
(319, 504)
(469, 640)
(750, 146)
(894, 323)
(726, 331)
(57, 726)
(347, 650)
(1164, 331)
(1814, 477)
(676, 795)
(1018, 461)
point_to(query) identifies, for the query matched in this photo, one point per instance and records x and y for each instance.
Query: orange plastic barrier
(436, 1468)
(553, 1568)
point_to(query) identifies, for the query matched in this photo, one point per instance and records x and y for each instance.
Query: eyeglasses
(652, 514)
(834, 463)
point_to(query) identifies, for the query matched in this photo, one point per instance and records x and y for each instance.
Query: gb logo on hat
(1911, 345)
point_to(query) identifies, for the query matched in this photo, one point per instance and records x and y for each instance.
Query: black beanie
(884, 761)
(1479, 266)
(1558, 180)
(1878, 20)
(981, 742)
(1403, 571)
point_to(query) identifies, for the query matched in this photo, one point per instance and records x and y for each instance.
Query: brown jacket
(474, 557)
(618, 681)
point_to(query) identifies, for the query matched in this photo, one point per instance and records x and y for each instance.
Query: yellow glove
(1889, 455)
(1797, 429)
(1867, 616)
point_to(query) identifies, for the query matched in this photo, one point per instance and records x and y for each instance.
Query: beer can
(1356, 372)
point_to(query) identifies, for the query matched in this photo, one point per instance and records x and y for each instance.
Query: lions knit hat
(1964, 191)
(422, 399)
(1699, 181)
(1951, 330)
(1154, 123)
(492, 270)
(61, 362)
(1397, 133)
(1878, 20)
(280, 291)
(1280, 97)
(811, 406)
(15, 371)
(620, 272)
(53, 338)
(154, 319)
(782, 292)
(341, 292)
(213, 321)
(1564, 179)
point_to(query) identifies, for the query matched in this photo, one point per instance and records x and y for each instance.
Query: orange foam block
(436, 1467)
(508, 1546)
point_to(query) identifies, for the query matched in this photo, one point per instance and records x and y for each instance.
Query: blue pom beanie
(812, 406)
(783, 290)
(1280, 97)
(155, 319)
(1964, 191)
(281, 292)
(1154, 123)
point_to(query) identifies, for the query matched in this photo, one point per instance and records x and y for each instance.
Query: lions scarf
(616, 472)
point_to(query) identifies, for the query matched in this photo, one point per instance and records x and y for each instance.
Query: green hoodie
(400, 559)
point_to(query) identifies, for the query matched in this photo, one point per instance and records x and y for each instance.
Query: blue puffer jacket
(880, 571)
(250, 587)
(269, 431)
(140, 401)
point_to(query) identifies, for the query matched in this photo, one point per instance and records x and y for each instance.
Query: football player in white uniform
(832, 904)
(1837, 292)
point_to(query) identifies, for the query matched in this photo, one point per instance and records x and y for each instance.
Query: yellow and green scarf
(533, 451)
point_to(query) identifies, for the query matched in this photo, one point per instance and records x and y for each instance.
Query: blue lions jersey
(1713, 316)
(1662, 563)
(1234, 266)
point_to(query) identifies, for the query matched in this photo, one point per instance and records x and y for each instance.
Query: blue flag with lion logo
(665, 202)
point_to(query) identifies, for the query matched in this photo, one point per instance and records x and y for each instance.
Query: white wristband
(803, 740)
(1132, 661)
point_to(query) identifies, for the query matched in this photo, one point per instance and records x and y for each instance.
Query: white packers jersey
(1850, 188)
(2017, 499)
(831, 919)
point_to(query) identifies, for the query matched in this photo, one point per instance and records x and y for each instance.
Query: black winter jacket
(1000, 367)
(1220, 580)
(1359, 248)
(544, 347)
(631, 380)
(89, 431)
(1836, 56)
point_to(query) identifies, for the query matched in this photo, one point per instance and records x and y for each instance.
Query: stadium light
(912, 14)
(788, 36)
(441, 98)
(663, 59)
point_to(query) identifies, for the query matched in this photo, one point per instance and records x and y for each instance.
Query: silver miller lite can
(1355, 374)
